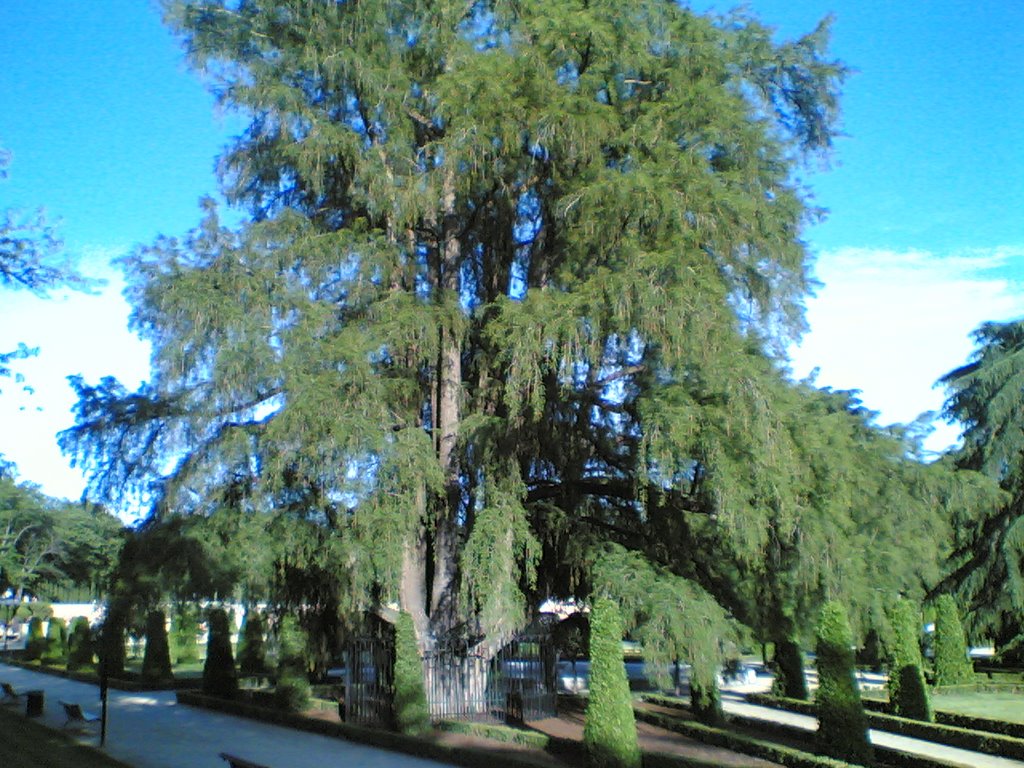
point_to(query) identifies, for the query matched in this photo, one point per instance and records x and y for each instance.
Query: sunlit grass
(997, 706)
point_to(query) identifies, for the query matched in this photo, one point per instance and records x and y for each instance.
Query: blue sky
(923, 242)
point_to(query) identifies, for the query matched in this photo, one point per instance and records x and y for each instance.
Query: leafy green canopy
(506, 288)
(985, 397)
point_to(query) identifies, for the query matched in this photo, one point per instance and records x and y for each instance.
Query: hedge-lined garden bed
(118, 683)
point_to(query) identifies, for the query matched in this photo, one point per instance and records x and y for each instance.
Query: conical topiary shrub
(952, 665)
(790, 680)
(908, 699)
(219, 676)
(55, 651)
(156, 663)
(292, 690)
(35, 645)
(609, 730)
(185, 627)
(842, 724)
(80, 646)
(252, 648)
(412, 715)
(112, 632)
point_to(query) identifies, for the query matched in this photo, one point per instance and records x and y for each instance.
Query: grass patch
(995, 706)
(27, 744)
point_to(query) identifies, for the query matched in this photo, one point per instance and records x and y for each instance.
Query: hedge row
(118, 683)
(951, 729)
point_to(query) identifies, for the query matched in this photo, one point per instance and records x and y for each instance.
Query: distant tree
(842, 724)
(609, 730)
(412, 715)
(952, 665)
(291, 691)
(156, 664)
(80, 644)
(252, 652)
(907, 692)
(219, 675)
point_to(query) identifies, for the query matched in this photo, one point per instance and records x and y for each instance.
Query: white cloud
(890, 324)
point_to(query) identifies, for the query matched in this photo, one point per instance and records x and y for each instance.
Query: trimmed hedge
(502, 733)
(156, 663)
(907, 690)
(219, 676)
(80, 645)
(952, 666)
(252, 651)
(842, 725)
(609, 729)
(56, 650)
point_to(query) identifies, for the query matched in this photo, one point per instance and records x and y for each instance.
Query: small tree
(36, 643)
(183, 636)
(156, 664)
(292, 690)
(907, 692)
(80, 646)
(252, 648)
(952, 665)
(219, 676)
(609, 730)
(412, 715)
(842, 725)
(55, 650)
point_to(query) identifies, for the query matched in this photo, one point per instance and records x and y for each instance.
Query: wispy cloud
(891, 323)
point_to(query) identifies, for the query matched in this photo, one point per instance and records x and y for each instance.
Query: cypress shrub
(910, 699)
(111, 645)
(183, 636)
(842, 724)
(80, 647)
(871, 653)
(292, 690)
(55, 650)
(156, 663)
(952, 666)
(219, 676)
(790, 680)
(35, 645)
(609, 730)
(705, 699)
(252, 649)
(412, 715)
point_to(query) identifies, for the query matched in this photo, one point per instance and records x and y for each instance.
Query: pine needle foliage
(609, 730)
(907, 692)
(842, 724)
(412, 716)
(219, 675)
(952, 665)
(156, 663)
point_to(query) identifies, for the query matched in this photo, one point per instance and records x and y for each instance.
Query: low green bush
(502, 733)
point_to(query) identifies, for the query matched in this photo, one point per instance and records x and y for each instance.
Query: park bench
(239, 762)
(75, 716)
(11, 696)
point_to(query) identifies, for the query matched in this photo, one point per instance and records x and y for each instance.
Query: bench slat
(239, 762)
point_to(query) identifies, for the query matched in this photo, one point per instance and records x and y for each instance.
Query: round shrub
(35, 645)
(952, 666)
(252, 649)
(80, 646)
(219, 676)
(905, 663)
(55, 650)
(292, 690)
(156, 664)
(609, 730)
(412, 714)
(842, 724)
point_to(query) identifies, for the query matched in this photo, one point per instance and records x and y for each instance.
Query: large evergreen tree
(513, 283)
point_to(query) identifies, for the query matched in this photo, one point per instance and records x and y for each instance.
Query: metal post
(104, 684)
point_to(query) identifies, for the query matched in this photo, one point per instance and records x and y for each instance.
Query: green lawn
(998, 706)
(27, 744)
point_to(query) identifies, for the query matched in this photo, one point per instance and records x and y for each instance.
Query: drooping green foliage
(292, 689)
(609, 730)
(80, 644)
(156, 663)
(219, 675)
(842, 724)
(56, 649)
(672, 619)
(984, 396)
(952, 666)
(35, 643)
(252, 652)
(412, 715)
(510, 284)
(907, 699)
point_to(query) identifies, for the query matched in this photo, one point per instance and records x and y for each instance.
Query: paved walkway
(150, 730)
(881, 738)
